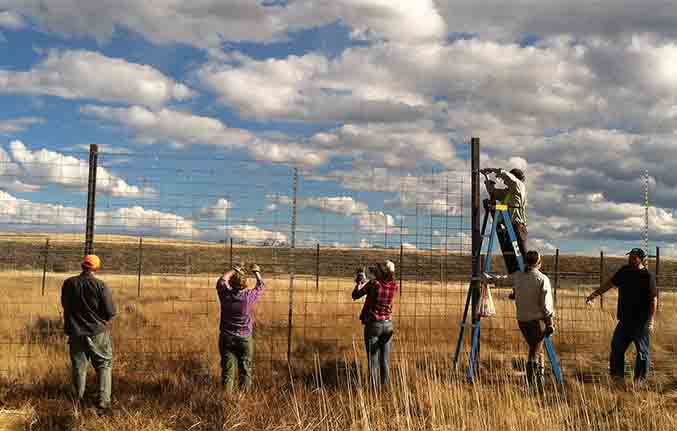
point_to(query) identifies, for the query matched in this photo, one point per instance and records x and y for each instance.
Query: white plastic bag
(487, 308)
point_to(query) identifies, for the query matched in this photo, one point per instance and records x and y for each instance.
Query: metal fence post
(44, 265)
(658, 267)
(556, 275)
(138, 281)
(91, 198)
(601, 278)
(317, 268)
(292, 264)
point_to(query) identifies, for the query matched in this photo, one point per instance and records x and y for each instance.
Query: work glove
(255, 268)
(512, 295)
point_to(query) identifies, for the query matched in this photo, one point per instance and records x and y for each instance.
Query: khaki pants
(534, 333)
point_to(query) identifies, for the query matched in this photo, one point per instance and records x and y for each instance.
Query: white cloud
(26, 215)
(392, 145)
(219, 210)
(287, 152)
(208, 23)
(90, 75)
(253, 234)
(609, 18)
(308, 88)
(41, 167)
(378, 222)
(11, 20)
(137, 219)
(167, 125)
(344, 205)
(16, 125)
(364, 243)
(183, 128)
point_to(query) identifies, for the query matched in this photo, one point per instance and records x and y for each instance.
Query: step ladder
(501, 213)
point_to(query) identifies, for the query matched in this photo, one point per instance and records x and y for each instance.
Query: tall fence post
(44, 266)
(601, 278)
(317, 267)
(292, 263)
(140, 268)
(556, 275)
(658, 268)
(476, 233)
(91, 198)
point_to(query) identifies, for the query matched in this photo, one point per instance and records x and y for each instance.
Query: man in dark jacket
(87, 308)
(637, 303)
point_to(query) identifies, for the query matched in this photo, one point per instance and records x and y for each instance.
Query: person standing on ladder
(515, 196)
(535, 312)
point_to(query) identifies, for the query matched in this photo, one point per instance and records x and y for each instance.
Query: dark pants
(521, 234)
(378, 340)
(623, 336)
(97, 350)
(236, 352)
(534, 333)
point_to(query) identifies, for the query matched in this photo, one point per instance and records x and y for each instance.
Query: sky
(202, 110)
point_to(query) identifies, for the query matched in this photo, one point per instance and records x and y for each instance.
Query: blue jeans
(98, 350)
(378, 339)
(623, 336)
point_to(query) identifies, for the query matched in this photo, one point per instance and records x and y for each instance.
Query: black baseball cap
(637, 252)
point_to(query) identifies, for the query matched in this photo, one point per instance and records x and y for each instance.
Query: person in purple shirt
(236, 344)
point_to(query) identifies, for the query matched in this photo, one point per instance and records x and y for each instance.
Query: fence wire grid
(165, 237)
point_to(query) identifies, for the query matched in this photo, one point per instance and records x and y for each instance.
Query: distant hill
(121, 254)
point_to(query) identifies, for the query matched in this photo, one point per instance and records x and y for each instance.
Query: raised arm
(509, 179)
(222, 283)
(361, 289)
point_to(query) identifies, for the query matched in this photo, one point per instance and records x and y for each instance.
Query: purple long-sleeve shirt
(237, 306)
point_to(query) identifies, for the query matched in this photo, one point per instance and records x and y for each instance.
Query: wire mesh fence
(165, 237)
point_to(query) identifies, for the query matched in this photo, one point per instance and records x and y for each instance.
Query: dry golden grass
(166, 363)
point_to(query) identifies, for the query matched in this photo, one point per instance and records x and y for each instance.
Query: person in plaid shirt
(376, 316)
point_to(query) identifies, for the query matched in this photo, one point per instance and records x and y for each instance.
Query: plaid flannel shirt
(379, 303)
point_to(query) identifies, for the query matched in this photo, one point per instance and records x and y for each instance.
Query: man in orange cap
(87, 308)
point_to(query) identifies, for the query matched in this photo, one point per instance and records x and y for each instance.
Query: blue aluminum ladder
(501, 213)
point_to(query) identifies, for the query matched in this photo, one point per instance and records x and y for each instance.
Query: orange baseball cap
(91, 261)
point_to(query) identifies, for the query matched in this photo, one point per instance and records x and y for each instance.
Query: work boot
(539, 376)
(535, 376)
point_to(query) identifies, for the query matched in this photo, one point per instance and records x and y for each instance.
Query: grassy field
(166, 361)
